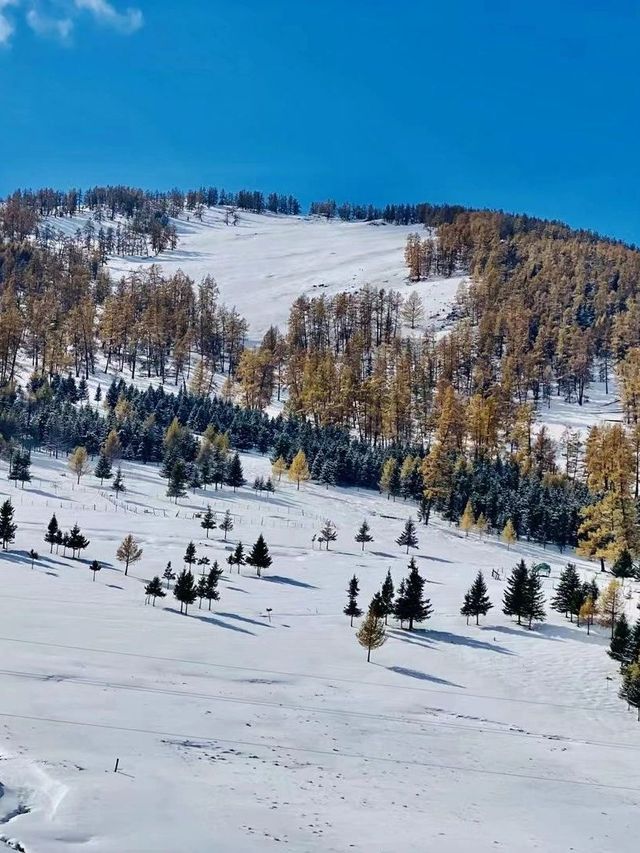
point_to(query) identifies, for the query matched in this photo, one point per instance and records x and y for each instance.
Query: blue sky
(524, 106)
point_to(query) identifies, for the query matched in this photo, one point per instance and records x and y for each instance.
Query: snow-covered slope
(265, 262)
(236, 733)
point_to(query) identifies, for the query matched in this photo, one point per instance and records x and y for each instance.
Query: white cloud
(57, 18)
(44, 25)
(105, 13)
(6, 25)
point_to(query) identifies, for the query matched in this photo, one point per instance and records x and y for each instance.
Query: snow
(236, 733)
(265, 262)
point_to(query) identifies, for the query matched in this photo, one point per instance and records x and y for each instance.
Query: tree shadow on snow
(429, 637)
(288, 581)
(554, 633)
(263, 624)
(210, 620)
(423, 676)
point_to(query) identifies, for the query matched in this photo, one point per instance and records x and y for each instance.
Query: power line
(323, 752)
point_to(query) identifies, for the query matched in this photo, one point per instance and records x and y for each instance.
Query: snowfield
(236, 732)
(265, 262)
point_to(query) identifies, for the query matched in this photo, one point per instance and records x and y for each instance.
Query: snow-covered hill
(236, 732)
(265, 262)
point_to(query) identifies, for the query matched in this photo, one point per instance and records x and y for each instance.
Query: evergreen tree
(515, 594)
(98, 395)
(118, 482)
(94, 567)
(208, 520)
(630, 687)
(386, 593)
(363, 535)
(377, 606)
(623, 566)
(328, 533)
(408, 536)
(235, 476)
(103, 468)
(129, 551)
(371, 634)
(169, 574)
(476, 600)
(237, 558)
(77, 541)
(190, 554)
(226, 525)
(177, 481)
(154, 590)
(400, 605)
(20, 470)
(415, 607)
(259, 556)
(211, 590)
(328, 473)
(569, 594)
(534, 599)
(351, 609)
(635, 641)
(50, 536)
(201, 590)
(185, 590)
(621, 643)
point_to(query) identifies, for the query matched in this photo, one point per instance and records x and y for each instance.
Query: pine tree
(118, 482)
(177, 481)
(169, 574)
(20, 467)
(201, 590)
(79, 462)
(129, 551)
(235, 476)
(515, 594)
(226, 525)
(363, 535)
(328, 533)
(509, 535)
(190, 554)
(77, 541)
(351, 609)
(299, 470)
(534, 599)
(635, 641)
(371, 634)
(569, 595)
(620, 647)
(377, 606)
(623, 566)
(50, 536)
(208, 520)
(185, 590)
(408, 536)
(630, 687)
(259, 556)
(211, 591)
(94, 567)
(411, 601)
(386, 593)
(103, 468)
(476, 601)
(467, 521)
(154, 589)
(237, 558)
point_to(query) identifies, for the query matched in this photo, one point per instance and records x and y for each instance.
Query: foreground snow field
(236, 733)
